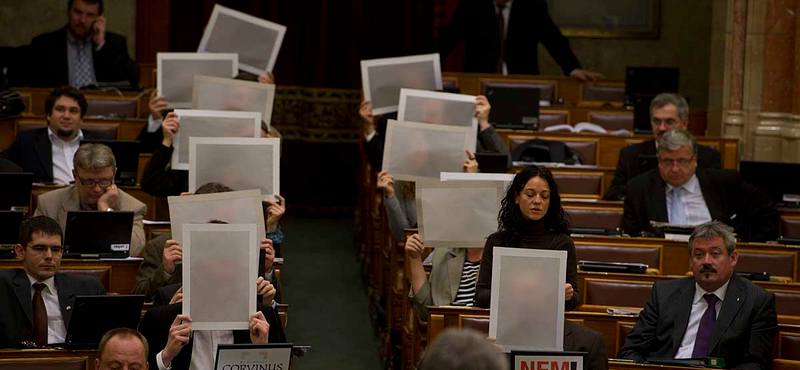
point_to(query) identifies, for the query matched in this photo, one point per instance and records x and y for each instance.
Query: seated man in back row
(714, 313)
(94, 189)
(667, 111)
(37, 299)
(678, 193)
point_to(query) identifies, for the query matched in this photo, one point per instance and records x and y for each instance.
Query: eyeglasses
(43, 248)
(104, 183)
(669, 162)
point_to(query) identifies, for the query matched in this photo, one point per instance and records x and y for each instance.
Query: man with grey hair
(713, 313)
(462, 349)
(667, 111)
(94, 189)
(678, 193)
(122, 348)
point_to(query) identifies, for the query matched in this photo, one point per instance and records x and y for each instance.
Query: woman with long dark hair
(530, 217)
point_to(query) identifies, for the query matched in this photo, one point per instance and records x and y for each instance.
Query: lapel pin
(737, 299)
(70, 307)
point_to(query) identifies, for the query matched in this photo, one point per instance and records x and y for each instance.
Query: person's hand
(170, 127)
(269, 253)
(569, 292)
(99, 29)
(259, 328)
(158, 104)
(266, 290)
(584, 75)
(172, 253)
(108, 198)
(365, 111)
(482, 108)
(179, 334)
(493, 341)
(470, 164)
(385, 182)
(177, 297)
(274, 212)
(414, 246)
(268, 78)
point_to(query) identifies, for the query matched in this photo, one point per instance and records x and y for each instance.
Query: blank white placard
(257, 41)
(235, 207)
(176, 71)
(211, 123)
(220, 268)
(418, 151)
(439, 108)
(214, 93)
(382, 79)
(240, 163)
(528, 299)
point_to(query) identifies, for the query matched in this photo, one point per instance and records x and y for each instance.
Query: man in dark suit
(37, 298)
(48, 152)
(501, 36)
(667, 111)
(582, 339)
(82, 53)
(678, 193)
(712, 314)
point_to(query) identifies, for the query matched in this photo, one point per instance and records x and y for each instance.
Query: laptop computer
(493, 162)
(642, 84)
(514, 106)
(94, 315)
(9, 232)
(126, 154)
(780, 180)
(16, 194)
(624, 267)
(94, 234)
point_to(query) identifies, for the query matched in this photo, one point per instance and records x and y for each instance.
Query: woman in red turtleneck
(531, 217)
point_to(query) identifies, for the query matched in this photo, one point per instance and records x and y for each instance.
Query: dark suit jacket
(160, 181)
(475, 23)
(33, 151)
(48, 64)
(750, 211)
(743, 334)
(582, 339)
(157, 321)
(16, 312)
(629, 165)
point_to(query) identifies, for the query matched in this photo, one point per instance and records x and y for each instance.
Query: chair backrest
(588, 148)
(623, 329)
(789, 346)
(478, 323)
(45, 363)
(602, 93)
(787, 302)
(581, 185)
(775, 263)
(790, 227)
(595, 218)
(107, 129)
(616, 293)
(102, 273)
(551, 118)
(650, 255)
(112, 108)
(612, 121)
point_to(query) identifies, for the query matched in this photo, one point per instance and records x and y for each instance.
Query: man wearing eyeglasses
(668, 111)
(37, 299)
(678, 193)
(94, 189)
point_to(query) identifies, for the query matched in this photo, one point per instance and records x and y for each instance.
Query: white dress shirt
(204, 348)
(153, 123)
(63, 152)
(506, 16)
(699, 306)
(694, 204)
(56, 329)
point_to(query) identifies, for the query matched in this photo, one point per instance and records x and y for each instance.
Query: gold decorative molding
(768, 142)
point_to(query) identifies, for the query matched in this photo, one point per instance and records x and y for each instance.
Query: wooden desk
(122, 271)
(38, 96)
(50, 353)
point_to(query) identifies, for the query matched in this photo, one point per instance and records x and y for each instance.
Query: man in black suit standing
(712, 314)
(48, 152)
(678, 193)
(82, 53)
(667, 111)
(501, 36)
(37, 298)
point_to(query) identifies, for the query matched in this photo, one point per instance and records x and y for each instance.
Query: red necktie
(707, 322)
(501, 30)
(39, 316)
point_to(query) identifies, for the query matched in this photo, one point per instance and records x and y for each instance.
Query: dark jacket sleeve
(596, 358)
(150, 141)
(112, 63)
(150, 275)
(572, 275)
(639, 340)
(158, 180)
(490, 142)
(618, 189)
(374, 147)
(708, 158)
(483, 288)
(554, 41)
(634, 218)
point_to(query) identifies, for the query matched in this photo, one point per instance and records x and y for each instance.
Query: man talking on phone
(82, 54)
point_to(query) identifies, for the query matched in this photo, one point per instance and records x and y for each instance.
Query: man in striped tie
(713, 314)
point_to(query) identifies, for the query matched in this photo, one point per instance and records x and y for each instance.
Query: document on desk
(457, 214)
(257, 41)
(528, 299)
(211, 123)
(215, 93)
(235, 207)
(382, 79)
(220, 268)
(417, 151)
(440, 108)
(240, 163)
(176, 71)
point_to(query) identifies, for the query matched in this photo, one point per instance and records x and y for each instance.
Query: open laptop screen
(98, 234)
